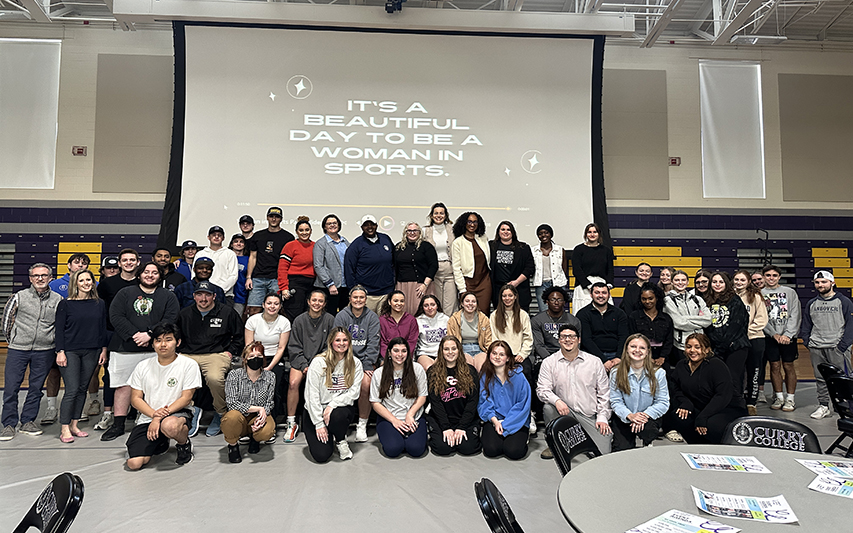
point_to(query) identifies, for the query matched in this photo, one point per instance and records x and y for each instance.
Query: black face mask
(255, 363)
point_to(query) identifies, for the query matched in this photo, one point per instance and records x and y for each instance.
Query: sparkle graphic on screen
(272, 96)
(300, 86)
(506, 171)
(533, 161)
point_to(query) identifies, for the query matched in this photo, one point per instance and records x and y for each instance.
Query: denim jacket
(641, 398)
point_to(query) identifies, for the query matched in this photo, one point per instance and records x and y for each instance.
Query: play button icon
(386, 223)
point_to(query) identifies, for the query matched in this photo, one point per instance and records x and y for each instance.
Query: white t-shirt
(395, 401)
(162, 385)
(268, 333)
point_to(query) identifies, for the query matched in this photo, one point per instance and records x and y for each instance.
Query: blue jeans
(394, 443)
(76, 374)
(471, 348)
(260, 288)
(540, 303)
(17, 361)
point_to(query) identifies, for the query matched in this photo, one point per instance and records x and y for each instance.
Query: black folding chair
(841, 393)
(56, 507)
(829, 371)
(769, 432)
(495, 509)
(568, 439)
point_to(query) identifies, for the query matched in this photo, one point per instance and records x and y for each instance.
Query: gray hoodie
(365, 335)
(783, 311)
(689, 315)
(828, 323)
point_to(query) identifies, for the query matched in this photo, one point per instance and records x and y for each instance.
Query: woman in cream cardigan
(470, 253)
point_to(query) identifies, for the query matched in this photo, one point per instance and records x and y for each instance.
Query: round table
(618, 491)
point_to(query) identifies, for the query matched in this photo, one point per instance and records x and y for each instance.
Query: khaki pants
(235, 425)
(214, 367)
(374, 303)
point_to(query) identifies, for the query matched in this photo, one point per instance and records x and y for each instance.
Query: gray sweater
(827, 323)
(689, 314)
(327, 263)
(545, 330)
(783, 310)
(28, 320)
(308, 337)
(365, 335)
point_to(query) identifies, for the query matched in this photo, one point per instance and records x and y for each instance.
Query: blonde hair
(624, 366)
(332, 359)
(72, 285)
(404, 241)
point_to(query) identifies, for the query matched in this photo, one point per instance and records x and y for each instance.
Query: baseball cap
(824, 274)
(215, 229)
(368, 218)
(274, 212)
(203, 260)
(247, 218)
(189, 244)
(110, 262)
(204, 286)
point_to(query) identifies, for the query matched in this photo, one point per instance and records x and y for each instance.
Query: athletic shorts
(122, 365)
(774, 351)
(138, 444)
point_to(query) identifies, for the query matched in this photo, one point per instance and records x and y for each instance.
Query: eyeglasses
(39, 276)
(569, 337)
(701, 282)
(472, 222)
(413, 231)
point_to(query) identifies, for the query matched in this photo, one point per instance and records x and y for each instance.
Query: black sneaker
(162, 447)
(234, 454)
(254, 446)
(113, 433)
(185, 452)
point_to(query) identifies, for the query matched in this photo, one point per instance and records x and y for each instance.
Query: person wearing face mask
(639, 395)
(249, 395)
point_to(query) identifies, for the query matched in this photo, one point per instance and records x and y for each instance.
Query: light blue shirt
(340, 247)
(640, 399)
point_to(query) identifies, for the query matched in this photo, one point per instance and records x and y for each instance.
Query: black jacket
(706, 392)
(729, 326)
(603, 333)
(221, 330)
(659, 331)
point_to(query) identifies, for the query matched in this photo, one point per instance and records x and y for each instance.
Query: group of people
(432, 334)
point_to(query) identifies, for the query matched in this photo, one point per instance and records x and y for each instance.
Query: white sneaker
(106, 421)
(789, 405)
(343, 449)
(532, 424)
(49, 416)
(761, 397)
(822, 411)
(291, 431)
(777, 403)
(361, 433)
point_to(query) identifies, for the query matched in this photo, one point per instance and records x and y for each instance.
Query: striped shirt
(241, 393)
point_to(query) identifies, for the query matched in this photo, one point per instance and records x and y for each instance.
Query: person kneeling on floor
(250, 395)
(161, 390)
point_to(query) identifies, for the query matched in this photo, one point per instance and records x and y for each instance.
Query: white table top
(618, 491)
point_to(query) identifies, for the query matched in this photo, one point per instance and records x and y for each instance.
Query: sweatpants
(394, 443)
(468, 446)
(833, 357)
(603, 442)
(512, 446)
(736, 361)
(754, 359)
(716, 425)
(339, 420)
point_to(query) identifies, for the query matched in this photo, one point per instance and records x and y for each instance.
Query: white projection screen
(385, 124)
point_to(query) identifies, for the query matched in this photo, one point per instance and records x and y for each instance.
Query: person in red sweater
(396, 322)
(296, 270)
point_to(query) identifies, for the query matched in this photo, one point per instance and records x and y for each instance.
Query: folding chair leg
(837, 444)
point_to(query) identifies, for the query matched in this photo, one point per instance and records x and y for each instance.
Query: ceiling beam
(702, 16)
(765, 17)
(735, 24)
(592, 6)
(821, 35)
(661, 23)
(37, 10)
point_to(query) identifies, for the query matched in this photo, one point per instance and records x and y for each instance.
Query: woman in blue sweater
(504, 404)
(81, 345)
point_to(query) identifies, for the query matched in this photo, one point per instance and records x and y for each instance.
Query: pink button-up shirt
(582, 384)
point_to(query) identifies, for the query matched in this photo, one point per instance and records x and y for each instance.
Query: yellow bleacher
(838, 261)
(67, 249)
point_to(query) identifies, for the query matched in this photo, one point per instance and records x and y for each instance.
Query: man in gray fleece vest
(828, 332)
(28, 321)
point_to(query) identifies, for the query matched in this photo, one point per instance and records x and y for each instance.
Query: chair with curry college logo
(769, 432)
(568, 439)
(495, 508)
(56, 507)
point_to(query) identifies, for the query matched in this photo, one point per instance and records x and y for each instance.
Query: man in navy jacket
(369, 261)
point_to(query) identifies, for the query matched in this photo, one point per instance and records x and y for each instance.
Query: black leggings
(513, 446)
(754, 377)
(339, 421)
(468, 446)
(625, 439)
(716, 425)
(736, 361)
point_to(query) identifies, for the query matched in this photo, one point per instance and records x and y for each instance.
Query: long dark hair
(752, 292)
(408, 385)
(386, 305)
(512, 231)
(461, 223)
(432, 297)
(501, 311)
(488, 369)
(721, 298)
(437, 373)
(658, 292)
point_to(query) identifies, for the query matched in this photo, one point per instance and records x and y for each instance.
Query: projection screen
(377, 123)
